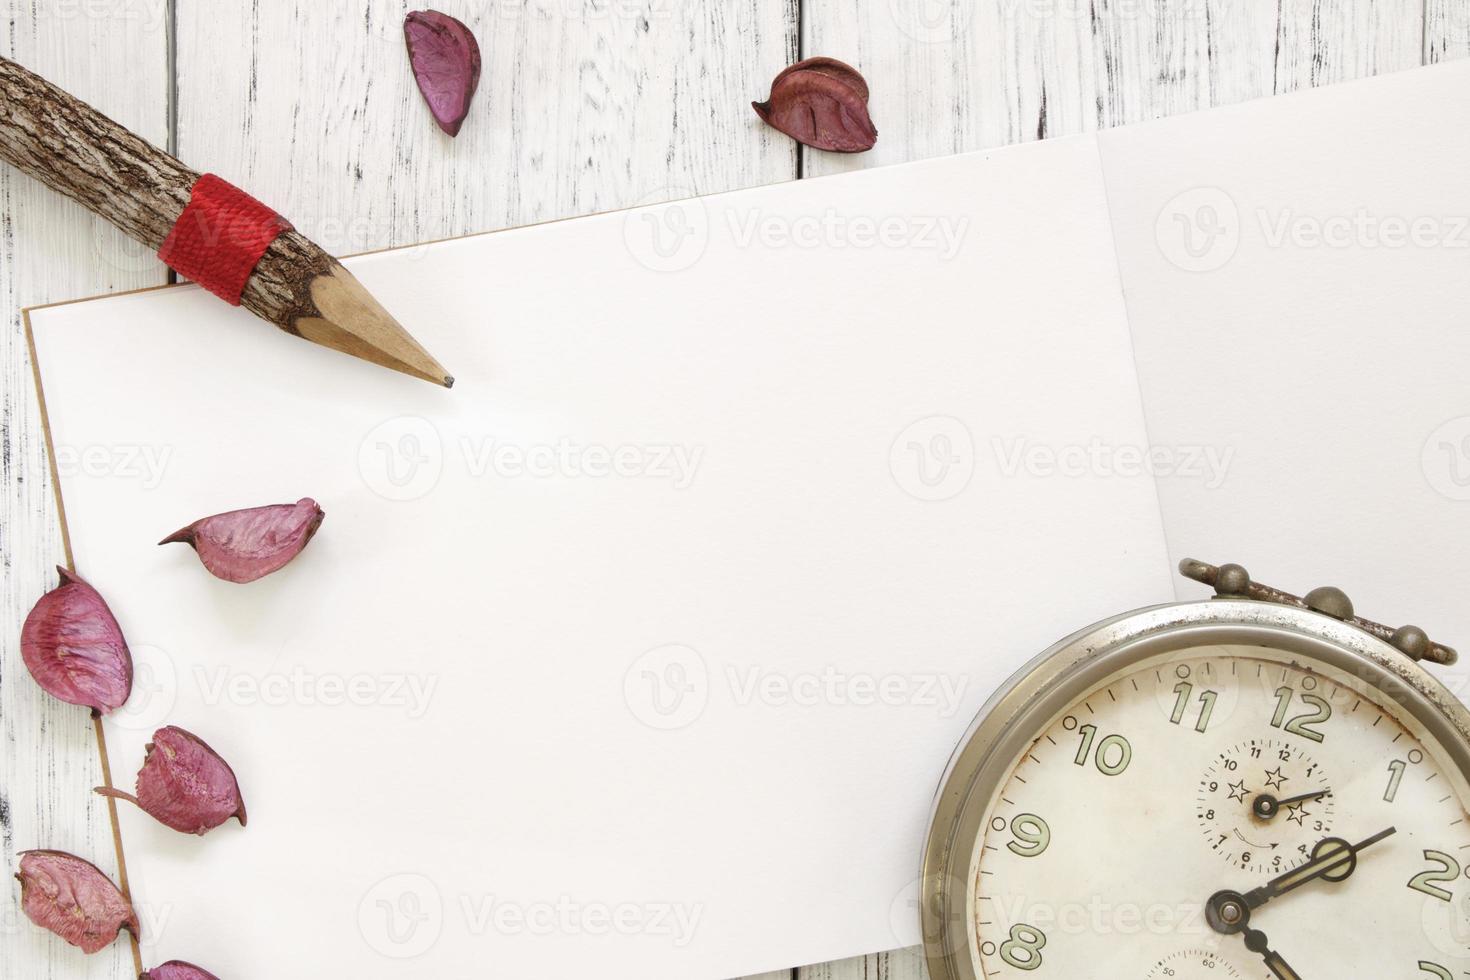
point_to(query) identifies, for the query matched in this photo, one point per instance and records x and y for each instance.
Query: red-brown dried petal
(244, 545)
(73, 898)
(446, 64)
(822, 103)
(75, 650)
(178, 970)
(185, 785)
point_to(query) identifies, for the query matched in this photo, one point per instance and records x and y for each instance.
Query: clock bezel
(1016, 714)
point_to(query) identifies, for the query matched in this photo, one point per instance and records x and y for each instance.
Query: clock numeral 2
(1114, 752)
(1207, 701)
(1425, 881)
(1435, 970)
(1301, 724)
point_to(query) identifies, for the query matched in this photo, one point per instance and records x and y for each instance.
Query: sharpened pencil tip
(449, 382)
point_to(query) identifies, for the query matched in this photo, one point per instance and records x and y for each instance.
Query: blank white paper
(1298, 281)
(641, 652)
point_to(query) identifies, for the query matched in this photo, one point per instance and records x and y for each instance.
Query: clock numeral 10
(1114, 752)
(1207, 701)
(1426, 881)
(1301, 724)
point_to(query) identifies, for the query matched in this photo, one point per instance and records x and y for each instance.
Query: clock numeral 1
(1109, 762)
(1207, 701)
(1301, 724)
(1425, 881)
(1396, 770)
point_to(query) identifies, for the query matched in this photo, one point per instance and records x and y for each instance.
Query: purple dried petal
(73, 898)
(74, 648)
(446, 62)
(178, 970)
(823, 103)
(244, 545)
(184, 784)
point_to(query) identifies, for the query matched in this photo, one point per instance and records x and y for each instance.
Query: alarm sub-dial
(1193, 964)
(1263, 804)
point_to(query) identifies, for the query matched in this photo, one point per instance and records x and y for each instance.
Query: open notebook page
(640, 653)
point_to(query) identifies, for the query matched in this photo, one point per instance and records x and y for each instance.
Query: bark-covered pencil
(203, 227)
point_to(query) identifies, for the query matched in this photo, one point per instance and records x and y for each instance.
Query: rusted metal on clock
(1234, 582)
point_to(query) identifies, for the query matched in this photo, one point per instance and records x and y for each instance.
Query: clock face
(1227, 811)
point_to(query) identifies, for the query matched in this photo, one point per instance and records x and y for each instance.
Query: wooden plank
(582, 107)
(1446, 30)
(114, 55)
(996, 72)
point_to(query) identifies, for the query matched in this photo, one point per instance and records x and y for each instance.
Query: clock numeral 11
(1207, 701)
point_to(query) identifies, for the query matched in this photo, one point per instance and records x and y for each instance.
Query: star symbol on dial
(1238, 791)
(1298, 813)
(1275, 779)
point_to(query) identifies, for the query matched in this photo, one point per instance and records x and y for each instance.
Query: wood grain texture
(585, 105)
(114, 55)
(582, 107)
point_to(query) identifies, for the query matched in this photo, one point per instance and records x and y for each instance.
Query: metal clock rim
(1065, 671)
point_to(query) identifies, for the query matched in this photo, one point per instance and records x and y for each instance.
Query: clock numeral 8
(1023, 949)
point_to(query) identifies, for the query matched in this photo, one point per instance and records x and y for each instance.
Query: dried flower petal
(74, 648)
(446, 62)
(184, 784)
(823, 103)
(244, 545)
(74, 899)
(178, 970)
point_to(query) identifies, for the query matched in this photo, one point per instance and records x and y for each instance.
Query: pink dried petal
(74, 648)
(178, 970)
(822, 103)
(73, 898)
(184, 784)
(244, 545)
(446, 63)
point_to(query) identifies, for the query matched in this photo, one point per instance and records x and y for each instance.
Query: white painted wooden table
(584, 105)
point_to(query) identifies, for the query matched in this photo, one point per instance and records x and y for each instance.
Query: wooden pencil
(76, 150)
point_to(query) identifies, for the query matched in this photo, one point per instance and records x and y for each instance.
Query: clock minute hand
(1333, 859)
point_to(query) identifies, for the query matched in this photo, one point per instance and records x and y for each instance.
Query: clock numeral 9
(1114, 752)
(1207, 701)
(1023, 949)
(1425, 881)
(1301, 724)
(1032, 834)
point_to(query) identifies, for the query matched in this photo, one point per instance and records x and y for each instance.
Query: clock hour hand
(1267, 806)
(1333, 859)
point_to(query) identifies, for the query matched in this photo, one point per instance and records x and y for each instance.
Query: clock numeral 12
(1301, 724)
